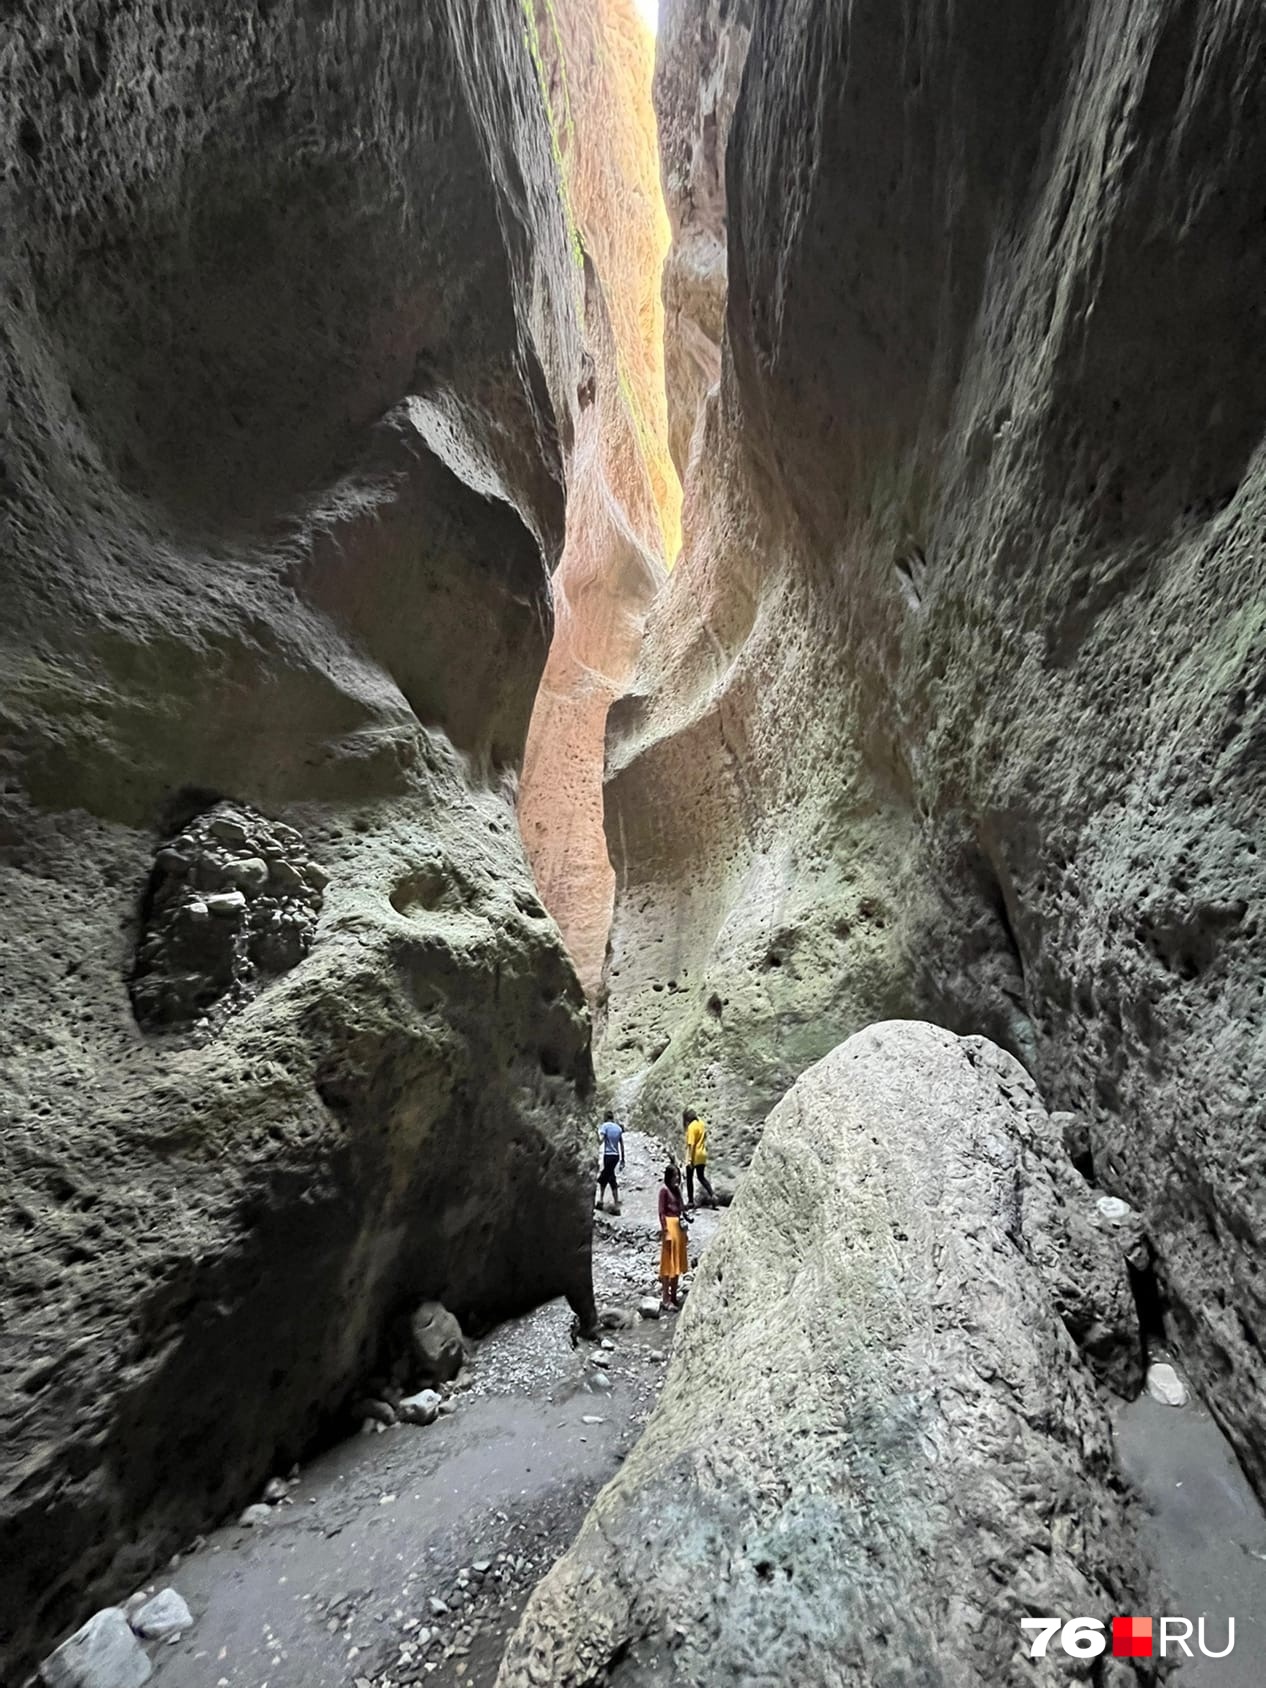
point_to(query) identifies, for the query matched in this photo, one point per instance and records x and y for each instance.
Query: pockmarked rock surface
(231, 901)
(290, 361)
(954, 707)
(877, 1448)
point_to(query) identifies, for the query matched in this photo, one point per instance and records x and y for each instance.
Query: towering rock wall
(624, 500)
(699, 58)
(289, 363)
(955, 705)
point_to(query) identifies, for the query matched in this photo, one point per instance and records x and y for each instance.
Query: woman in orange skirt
(672, 1232)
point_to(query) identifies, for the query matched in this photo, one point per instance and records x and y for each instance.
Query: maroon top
(669, 1204)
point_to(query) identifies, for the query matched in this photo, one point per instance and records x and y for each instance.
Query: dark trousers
(607, 1176)
(705, 1188)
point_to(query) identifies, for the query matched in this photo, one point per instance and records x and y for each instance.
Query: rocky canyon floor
(340, 1586)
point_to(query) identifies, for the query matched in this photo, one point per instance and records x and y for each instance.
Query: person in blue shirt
(612, 1140)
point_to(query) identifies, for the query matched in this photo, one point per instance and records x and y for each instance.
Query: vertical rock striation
(289, 362)
(623, 504)
(700, 50)
(955, 705)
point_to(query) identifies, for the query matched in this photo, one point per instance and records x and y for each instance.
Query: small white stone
(422, 1408)
(257, 1514)
(1113, 1208)
(438, 1606)
(275, 1490)
(1165, 1385)
(648, 1307)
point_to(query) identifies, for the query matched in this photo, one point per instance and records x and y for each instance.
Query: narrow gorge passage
(406, 1555)
(567, 554)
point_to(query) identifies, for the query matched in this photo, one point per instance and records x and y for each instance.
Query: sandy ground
(336, 1589)
(1205, 1530)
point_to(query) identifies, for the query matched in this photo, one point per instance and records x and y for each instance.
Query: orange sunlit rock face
(624, 500)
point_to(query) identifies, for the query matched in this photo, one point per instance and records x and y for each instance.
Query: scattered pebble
(1165, 1385)
(422, 1408)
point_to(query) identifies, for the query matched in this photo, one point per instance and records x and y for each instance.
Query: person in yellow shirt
(697, 1157)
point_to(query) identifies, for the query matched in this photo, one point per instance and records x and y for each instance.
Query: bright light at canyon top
(648, 11)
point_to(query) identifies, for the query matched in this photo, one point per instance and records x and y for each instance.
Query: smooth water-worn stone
(1165, 1385)
(437, 1349)
(103, 1654)
(163, 1616)
(422, 1408)
(1113, 1208)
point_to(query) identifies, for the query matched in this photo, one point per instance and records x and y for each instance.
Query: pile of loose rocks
(430, 1351)
(233, 900)
(460, 1618)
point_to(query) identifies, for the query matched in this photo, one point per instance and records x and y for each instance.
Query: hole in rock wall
(232, 900)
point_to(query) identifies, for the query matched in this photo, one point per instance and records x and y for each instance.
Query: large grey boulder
(103, 1654)
(435, 1342)
(877, 1448)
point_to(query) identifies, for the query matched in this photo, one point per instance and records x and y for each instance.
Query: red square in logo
(1131, 1638)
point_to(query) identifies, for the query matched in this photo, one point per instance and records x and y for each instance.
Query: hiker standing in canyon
(673, 1260)
(696, 1130)
(611, 1138)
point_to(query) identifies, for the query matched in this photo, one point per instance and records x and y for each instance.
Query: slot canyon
(569, 559)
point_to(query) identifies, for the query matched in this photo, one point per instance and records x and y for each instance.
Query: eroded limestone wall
(624, 500)
(954, 707)
(699, 56)
(290, 358)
